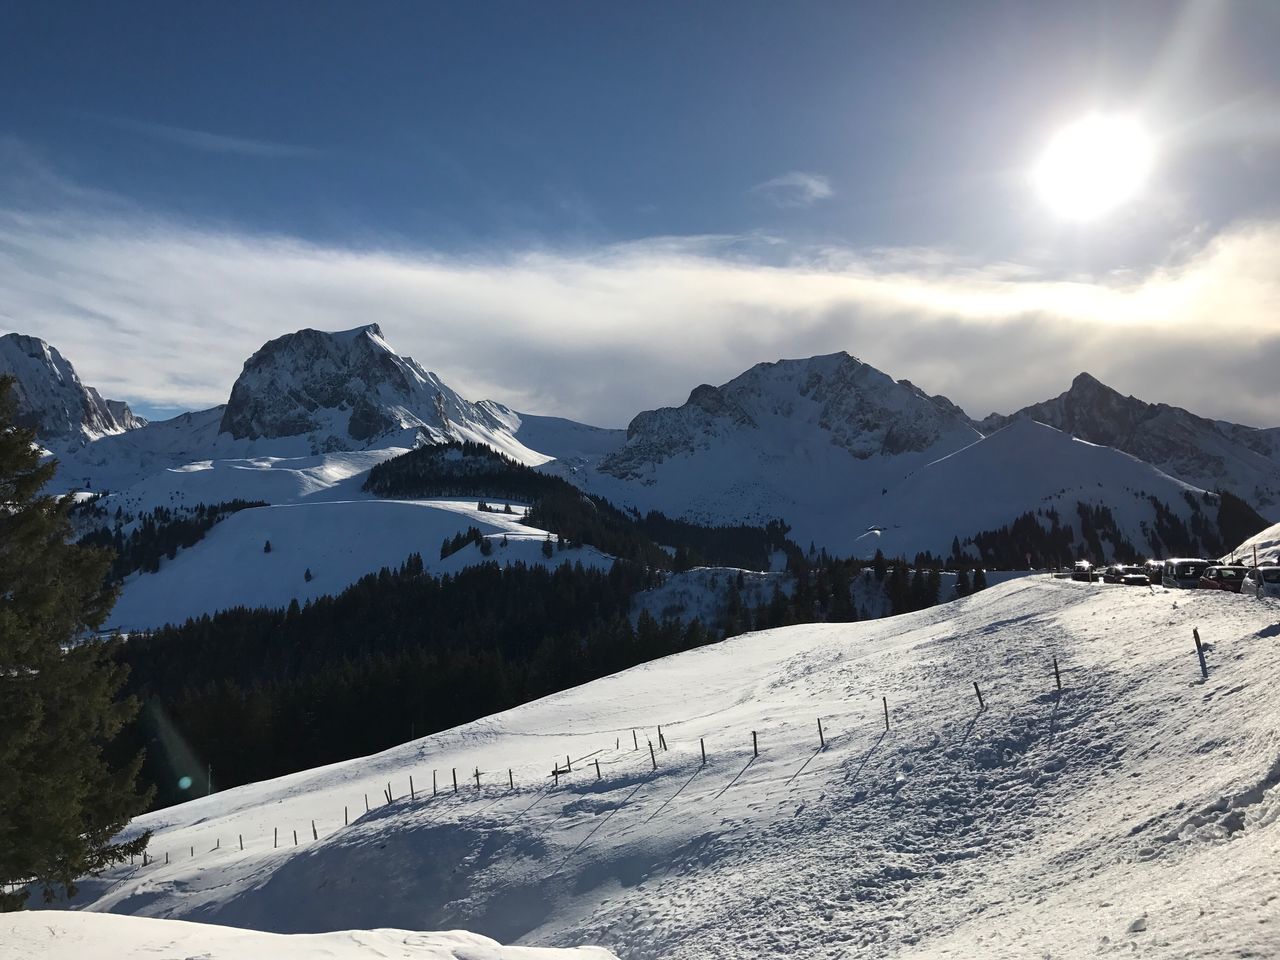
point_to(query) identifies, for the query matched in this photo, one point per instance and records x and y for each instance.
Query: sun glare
(1093, 166)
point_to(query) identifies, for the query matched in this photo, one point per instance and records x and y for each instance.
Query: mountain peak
(52, 399)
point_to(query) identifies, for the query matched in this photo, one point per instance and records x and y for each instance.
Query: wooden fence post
(275, 838)
(885, 701)
(755, 745)
(652, 759)
(511, 779)
(1204, 667)
(346, 822)
(412, 795)
(455, 779)
(1057, 677)
(703, 744)
(193, 852)
(634, 739)
(822, 741)
(477, 778)
(366, 803)
(242, 841)
(295, 838)
(314, 834)
(433, 783)
(568, 767)
(597, 769)
(981, 704)
(662, 741)
(166, 858)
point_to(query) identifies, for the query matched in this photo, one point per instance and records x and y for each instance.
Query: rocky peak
(345, 390)
(52, 399)
(838, 397)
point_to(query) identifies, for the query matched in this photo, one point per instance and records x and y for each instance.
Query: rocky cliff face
(1211, 454)
(52, 399)
(344, 391)
(837, 398)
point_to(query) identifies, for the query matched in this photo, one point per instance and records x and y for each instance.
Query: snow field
(1133, 811)
(71, 936)
(339, 542)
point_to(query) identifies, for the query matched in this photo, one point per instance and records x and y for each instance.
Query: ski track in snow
(1134, 812)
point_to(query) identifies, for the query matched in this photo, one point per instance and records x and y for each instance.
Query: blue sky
(846, 137)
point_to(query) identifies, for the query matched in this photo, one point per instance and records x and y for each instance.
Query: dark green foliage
(453, 544)
(1237, 520)
(1042, 535)
(61, 802)
(159, 533)
(259, 693)
(474, 470)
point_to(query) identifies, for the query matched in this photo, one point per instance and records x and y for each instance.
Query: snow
(338, 541)
(1133, 812)
(43, 935)
(1267, 543)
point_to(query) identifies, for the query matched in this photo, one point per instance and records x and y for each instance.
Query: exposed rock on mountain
(52, 399)
(1212, 454)
(345, 391)
(850, 404)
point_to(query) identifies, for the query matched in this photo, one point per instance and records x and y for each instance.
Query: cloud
(795, 189)
(165, 312)
(208, 142)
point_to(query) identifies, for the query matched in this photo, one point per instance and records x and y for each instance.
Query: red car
(1223, 578)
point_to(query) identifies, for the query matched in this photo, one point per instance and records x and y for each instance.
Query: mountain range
(853, 460)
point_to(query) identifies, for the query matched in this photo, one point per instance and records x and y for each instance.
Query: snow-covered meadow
(1134, 811)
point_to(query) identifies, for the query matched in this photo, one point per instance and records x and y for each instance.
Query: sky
(588, 209)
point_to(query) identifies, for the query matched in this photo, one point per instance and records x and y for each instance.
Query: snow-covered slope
(1024, 467)
(1134, 812)
(50, 397)
(337, 541)
(44, 935)
(1211, 454)
(797, 439)
(1266, 543)
(349, 390)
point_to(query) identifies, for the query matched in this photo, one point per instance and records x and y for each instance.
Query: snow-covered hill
(1266, 544)
(1211, 454)
(43, 935)
(338, 542)
(50, 397)
(1135, 811)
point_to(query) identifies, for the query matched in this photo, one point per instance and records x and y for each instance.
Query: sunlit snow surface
(64, 936)
(1132, 813)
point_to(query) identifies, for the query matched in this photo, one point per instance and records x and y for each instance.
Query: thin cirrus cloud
(208, 142)
(796, 189)
(164, 312)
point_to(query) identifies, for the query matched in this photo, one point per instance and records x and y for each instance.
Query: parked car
(1134, 577)
(1083, 571)
(1130, 576)
(1261, 582)
(1223, 578)
(1184, 572)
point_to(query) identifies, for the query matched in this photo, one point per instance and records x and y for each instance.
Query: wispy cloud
(207, 142)
(795, 189)
(165, 312)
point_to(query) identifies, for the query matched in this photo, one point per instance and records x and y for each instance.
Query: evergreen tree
(486, 547)
(962, 583)
(307, 575)
(547, 549)
(879, 566)
(266, 547)
(61, 803)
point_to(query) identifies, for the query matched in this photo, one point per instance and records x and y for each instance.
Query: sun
(1093, 166)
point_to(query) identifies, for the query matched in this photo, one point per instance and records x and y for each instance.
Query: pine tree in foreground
(61, 803)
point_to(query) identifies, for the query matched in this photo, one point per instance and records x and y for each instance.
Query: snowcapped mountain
(1212, 454)
(798, 439)
(51, 398)
(848, 404)
(349, 391)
